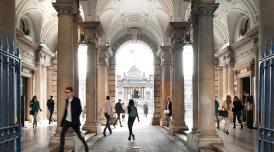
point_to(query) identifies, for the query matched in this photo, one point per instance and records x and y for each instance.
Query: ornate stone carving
(166, 57)
(92, 30)
(64, 8)
(103, 56)
(205, 9)
(228, 59)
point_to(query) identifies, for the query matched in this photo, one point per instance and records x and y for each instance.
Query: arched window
(24, 26)
(245, 25)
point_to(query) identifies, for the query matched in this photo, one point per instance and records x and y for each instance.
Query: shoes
(121, 126)
(234, 127)
(227, 132)
(218, 127)
(133, 137)
(110, 132)
(104, 134)
(242, 126)
(129, 138)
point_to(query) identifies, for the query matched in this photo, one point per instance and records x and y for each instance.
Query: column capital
(166, 56)
(103, 56)
(177, 31)
(207, 9)
(65, 7)
(92, 30)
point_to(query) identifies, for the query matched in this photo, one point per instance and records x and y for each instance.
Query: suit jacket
(169, 107)
(76, 110)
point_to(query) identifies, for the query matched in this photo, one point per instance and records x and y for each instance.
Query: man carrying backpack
(118, 110)
(132, 114)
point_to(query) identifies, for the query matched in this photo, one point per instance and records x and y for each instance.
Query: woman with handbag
(227, 109)
(35, 107)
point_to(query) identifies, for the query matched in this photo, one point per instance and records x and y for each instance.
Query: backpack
(133, 112)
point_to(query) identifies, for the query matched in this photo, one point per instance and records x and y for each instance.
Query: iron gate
(266, 97)
(10, 77)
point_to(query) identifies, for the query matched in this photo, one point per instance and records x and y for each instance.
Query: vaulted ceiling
(149, 17)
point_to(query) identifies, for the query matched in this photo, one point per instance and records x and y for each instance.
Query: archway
(135, 77)
(143, 39)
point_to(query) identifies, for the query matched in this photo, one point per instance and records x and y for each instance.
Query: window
(24, 26)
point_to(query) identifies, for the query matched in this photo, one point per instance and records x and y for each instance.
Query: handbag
(31, 112)
(223, 113)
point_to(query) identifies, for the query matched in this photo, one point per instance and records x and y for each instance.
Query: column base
(177, 128)
(255, 124)
(54, 142)
(92, 127)
(198, 141)
(155, 121)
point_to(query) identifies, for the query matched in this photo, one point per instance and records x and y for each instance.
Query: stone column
(157, 91)
(166, 63)
(102, 77)
(65, 58)
(177, 31)
(256, 88)
(266, 28)
(92, 31)
(230, 82)
(195, 75)
(206, 118)
(7, 18)
(225, 74)
(77, 19)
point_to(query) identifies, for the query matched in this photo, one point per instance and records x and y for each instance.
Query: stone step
(217, 147)
(206, 149)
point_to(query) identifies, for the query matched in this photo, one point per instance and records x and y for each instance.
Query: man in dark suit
(71, 118)
(169, 108)
(50, 105)
(118, 109)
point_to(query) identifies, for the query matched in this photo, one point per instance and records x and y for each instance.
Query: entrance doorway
(246, 84)
(135, 78)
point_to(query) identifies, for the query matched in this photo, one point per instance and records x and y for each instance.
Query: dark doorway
(246, 84)
(24, 98)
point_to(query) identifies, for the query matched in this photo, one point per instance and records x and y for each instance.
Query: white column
(206, 118)
(92, 32)
(102, 77)
(166, 63)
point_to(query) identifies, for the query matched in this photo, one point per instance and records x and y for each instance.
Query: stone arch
(157, 70)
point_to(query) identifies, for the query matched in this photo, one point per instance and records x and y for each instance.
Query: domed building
(134, 84)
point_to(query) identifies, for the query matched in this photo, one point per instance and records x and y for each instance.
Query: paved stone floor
(148, 139)
(37, 139)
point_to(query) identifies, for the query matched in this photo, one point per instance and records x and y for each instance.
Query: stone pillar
(65, 58)
(230, 81)
(225, 74)
(206, 118)
(220, 84)
(77, 19)
(157, 92)
(92, 31)
(102, 77)
(7, 18)
(177, 31)
(256, 88)
(195, 75)
(166, 63)
(266, 28)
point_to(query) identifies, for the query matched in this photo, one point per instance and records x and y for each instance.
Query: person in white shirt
(71, 118)
(107, 109)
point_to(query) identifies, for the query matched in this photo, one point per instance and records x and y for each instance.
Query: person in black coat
(50, 105)
(118, 109)
(71, 118)
(169, 109)
(237, 108)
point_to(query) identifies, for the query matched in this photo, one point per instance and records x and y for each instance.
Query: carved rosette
(207, 9)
